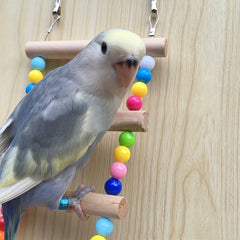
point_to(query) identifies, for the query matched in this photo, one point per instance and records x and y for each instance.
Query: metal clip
(154, 9)
(153, 19)
(56, 12)
(57, 8)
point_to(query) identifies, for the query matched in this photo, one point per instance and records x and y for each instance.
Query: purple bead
(147, 62)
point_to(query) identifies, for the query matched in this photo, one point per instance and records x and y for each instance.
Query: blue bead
(38, 63)
(113, 186)
(104, 226)
(64, 203)
(29, 87)
(144, 75)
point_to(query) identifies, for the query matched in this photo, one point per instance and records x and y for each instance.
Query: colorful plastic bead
(144, 75)
(118, 170)
(134, 103)
(104, 226)
(139, 89)
(64, 203)
(127, 139)
(1, 235)
(35, 76)
(98, 237)
(113, 186)
(29, 87)
(38, 63)
(147, 62)
(121, 154)
(1, 223)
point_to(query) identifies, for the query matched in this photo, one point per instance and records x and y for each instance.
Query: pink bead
(134, 103)
(118, 170)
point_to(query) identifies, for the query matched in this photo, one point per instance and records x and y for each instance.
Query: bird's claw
(74, 202)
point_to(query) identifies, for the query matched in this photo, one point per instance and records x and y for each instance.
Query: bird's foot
(74, 202)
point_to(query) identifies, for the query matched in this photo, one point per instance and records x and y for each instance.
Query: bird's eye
(104, 47)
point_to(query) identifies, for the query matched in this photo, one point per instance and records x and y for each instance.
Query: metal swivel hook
(56, 12)
(153, 18)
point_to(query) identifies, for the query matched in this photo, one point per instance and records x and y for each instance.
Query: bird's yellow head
(124, 50)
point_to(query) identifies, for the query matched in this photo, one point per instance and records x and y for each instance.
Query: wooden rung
(155, 47)
(102, 205)
(135, 121)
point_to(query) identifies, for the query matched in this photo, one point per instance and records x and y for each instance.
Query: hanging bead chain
(38, 63)
(34, 76)
(118, 169)
(1, 225)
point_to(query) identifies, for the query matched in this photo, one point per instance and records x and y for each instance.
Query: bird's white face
(124, 51)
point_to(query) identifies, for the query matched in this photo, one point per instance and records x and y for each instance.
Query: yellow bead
(98, 237)
(35, 76)
(139, 89)
(121, 154)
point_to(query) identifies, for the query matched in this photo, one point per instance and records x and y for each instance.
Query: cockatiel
(55, 128)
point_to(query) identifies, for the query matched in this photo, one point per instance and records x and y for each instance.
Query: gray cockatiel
(56, 126)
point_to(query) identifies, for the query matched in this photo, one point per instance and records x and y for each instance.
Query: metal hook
(153, 18)
(154, 9)
(56, 12)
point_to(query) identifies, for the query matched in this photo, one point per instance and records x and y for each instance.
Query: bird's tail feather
(12, 214)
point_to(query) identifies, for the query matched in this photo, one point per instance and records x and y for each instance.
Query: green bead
(127, 139)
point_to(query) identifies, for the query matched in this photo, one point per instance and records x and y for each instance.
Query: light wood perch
(155, 47)
(135, 121)
(103, 205)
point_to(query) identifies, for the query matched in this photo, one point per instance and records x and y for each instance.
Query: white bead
(147, 62)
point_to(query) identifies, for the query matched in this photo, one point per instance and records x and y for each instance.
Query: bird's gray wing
(49, 140)
(5, 137)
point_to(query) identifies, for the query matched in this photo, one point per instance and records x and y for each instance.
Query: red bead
(134, 103)
(1, 223)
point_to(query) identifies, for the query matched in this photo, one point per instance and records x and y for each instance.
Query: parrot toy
(55, 128)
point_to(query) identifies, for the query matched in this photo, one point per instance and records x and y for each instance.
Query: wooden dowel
(103, 205)
(135, 121)
(156, 47)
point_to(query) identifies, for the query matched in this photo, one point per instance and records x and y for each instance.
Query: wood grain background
(183, 178)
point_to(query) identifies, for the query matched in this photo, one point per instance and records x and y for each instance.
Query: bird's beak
(126, 71)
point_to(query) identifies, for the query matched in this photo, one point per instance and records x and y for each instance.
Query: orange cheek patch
(125, 74)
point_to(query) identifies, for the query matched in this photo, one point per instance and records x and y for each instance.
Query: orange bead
(1, 235)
